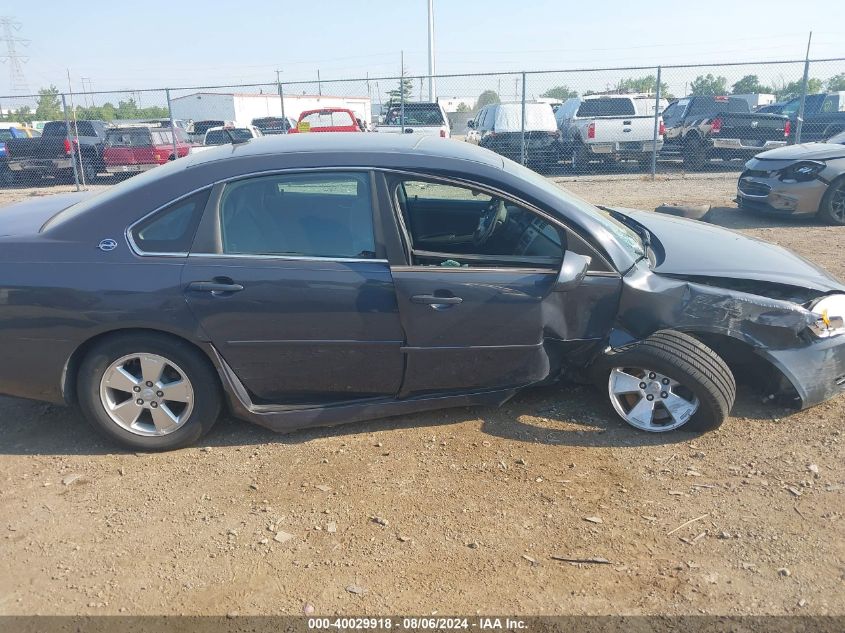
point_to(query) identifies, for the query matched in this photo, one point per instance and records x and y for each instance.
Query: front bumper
(817, 371)
(130, 169)
(624, 148)
(745, 145)
(41, 164)
(772, 195)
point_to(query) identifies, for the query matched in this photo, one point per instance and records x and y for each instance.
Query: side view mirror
(471, 124)
(573, 269)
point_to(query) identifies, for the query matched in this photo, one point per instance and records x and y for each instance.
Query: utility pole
(17, 80)
(432, 90)
(90, 90)
(319, 85)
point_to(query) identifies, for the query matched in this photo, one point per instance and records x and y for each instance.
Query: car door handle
(435, 300)
(214, 286)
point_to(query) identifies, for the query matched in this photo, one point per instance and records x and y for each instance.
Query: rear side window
(606, 107)
(172, 229)
(84, 128)
(128, 138)
(312, 215)
(55, 128)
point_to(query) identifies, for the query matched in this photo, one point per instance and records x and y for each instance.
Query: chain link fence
(610, 122)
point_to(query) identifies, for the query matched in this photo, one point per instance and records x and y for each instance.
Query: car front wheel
(668, 381)
(832, 208)
(148, 392)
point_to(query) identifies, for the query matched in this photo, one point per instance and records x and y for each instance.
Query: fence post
(70, 141)
(402, 102)
(172, 124)
(656, 127)
(523, 159)
(282, 100)
(799, 116)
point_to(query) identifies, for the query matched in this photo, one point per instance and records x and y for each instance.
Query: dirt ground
(457, 511)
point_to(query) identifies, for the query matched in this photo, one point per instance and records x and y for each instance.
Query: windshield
(415, 114)
(606, 107)
(221, 137)
(625, 236)
(201, 127)
(328, 118)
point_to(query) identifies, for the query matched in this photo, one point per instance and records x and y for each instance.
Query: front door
(481, 310)
(293, 292)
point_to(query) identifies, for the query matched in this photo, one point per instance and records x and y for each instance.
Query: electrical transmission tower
(17, 80)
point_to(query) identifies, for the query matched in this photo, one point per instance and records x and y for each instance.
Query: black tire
(832, 207)
(695, 154)
(687, 360)
(203, 379)
(88, 171)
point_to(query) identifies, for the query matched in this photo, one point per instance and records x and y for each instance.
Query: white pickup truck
(426, 119)
(609, 128)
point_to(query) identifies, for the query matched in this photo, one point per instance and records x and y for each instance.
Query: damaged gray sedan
(797, 181)
(321, 279)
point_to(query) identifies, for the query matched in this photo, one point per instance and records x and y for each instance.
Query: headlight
(830, 316)
(803, 171)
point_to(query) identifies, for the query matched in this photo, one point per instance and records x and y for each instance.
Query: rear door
(487, 316)
(287, 280)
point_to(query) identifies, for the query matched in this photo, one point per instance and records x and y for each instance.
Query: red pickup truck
(131, 150)
(327, 120)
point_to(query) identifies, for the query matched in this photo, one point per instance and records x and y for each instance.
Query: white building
(242, 108)
(757, 100)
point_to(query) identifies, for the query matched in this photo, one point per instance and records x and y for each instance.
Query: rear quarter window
(171, 230)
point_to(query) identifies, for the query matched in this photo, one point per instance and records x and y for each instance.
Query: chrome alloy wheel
(146, 394)
(650, 401)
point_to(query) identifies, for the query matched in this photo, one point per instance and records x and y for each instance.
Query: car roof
(350, 143)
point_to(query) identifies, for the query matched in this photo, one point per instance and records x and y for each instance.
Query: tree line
(702, 85)
(48, 107)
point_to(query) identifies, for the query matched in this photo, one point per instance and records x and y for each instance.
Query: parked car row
(92, 147)
(613, 128)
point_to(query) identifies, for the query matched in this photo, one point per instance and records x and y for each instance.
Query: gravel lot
(457, 511)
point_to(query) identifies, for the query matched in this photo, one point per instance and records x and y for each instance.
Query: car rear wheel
(89, 170)
(695, 154)
(148, 392)
(668, 381)
(832, 208)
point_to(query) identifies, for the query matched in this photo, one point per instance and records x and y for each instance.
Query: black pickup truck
(824, 115)
(54, 152)
(703, 127)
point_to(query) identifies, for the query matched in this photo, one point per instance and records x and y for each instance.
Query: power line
(17, 79)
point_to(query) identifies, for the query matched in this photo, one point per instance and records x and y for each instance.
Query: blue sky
(195, 42)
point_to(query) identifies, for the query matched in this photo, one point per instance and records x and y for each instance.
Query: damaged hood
(804, 151)
(696, 249)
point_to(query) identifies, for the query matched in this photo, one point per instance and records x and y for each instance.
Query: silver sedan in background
(797, 180)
